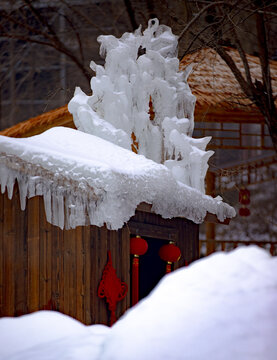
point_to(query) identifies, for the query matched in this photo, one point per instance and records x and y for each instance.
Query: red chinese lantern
(244, 211)
(138, 247)
(169, 253)
(244, 199)
(244, 196)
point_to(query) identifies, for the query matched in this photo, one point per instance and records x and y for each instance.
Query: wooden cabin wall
(43, 267)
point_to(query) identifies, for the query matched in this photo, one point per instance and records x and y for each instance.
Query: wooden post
(210, 227)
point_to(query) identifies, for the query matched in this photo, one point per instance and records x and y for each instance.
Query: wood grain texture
(21, 257)
(33, 254)
(2, 276)
(44, 267)
(69, 272)
(45, 300)
(87, 275)
(80, 274)
(9, 258)
(102, 257)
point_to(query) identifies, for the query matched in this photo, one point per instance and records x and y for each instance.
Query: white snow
(91, 176)
(221, 307)
(49, 335)
(87, 180)
(140, 66)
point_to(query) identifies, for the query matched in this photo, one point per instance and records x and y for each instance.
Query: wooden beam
(153, 231)
(212, 218)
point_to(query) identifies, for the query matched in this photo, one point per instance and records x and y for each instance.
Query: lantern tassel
(135, 280)
(168, 267)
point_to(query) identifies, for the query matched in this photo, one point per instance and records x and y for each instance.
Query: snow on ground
(220, 307)
(96, 181)
(49, 335)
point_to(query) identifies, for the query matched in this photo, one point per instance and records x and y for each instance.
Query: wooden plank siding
(2, 276)
(44, 267)
(33, 245)
(21, 259)
(8, 257)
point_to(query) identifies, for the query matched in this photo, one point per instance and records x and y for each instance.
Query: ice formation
(87, 180)
(91, 176)
(139, 68)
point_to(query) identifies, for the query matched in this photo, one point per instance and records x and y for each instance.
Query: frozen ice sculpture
(142, 69)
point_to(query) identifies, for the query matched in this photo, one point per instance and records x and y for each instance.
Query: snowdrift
(221, 307)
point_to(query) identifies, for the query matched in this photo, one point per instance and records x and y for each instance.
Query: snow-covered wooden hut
(88, 193)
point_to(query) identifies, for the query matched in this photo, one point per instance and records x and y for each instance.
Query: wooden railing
(228, 245)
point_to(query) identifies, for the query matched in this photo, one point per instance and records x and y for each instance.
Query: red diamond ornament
(112, 288)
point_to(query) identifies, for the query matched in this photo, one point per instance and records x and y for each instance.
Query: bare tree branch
(243, 58)
(198, 15)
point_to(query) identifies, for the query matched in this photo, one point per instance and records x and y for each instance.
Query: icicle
(60, 209)
(55, 210)
(4, 174)
(31, 186)
(23, 185)
(10, 184)
(47, 204)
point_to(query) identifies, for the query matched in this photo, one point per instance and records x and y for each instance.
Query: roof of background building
(216, 89)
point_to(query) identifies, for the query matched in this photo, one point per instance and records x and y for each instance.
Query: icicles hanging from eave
(67, 205)
(111, 197)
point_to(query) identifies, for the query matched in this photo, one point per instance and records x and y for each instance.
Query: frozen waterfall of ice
(139, 67)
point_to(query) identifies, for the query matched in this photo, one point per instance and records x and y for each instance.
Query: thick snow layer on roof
(95, 181)
(221, 307)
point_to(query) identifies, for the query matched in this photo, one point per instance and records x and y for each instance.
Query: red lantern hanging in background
(244, 196)
(244, 211)
(138, 247)
(244, 199)
(169, 253)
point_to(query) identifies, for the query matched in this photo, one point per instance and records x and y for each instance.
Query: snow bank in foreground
(49, 335)
(221, 307)
(87, 180)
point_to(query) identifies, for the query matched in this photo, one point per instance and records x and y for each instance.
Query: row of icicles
(170, 253)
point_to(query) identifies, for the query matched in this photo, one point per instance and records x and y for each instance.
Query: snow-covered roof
(93, 177)
(215, 87)
(87, 180)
